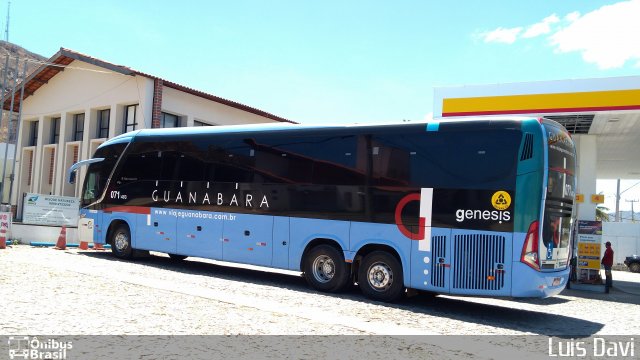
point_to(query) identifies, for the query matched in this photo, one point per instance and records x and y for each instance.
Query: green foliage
(601, 213)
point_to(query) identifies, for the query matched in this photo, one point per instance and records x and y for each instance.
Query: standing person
(607, 262)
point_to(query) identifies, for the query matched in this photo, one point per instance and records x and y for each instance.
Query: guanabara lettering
(205, 198)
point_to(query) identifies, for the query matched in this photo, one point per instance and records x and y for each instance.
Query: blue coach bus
(478, 207)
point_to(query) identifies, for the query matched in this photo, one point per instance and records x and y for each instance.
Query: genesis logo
(473, 209)
(501, 200)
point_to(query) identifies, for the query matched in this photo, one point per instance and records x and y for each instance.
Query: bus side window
(141, 166)
(230, 163)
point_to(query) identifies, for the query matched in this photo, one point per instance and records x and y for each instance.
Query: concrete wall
(624, 238)
(196, 108)
(33, 233)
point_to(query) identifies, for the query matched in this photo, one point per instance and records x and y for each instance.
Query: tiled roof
(64, 57)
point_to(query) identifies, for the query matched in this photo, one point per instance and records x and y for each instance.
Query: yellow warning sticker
(501, 200)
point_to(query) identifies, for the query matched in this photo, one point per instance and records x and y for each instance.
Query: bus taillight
(530, 248)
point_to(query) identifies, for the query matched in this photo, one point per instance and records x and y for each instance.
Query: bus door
(89, 227)
(431, 265)
(480, 262)
(200, 234)
(248, 239)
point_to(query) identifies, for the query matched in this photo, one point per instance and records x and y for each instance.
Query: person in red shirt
(607, 262)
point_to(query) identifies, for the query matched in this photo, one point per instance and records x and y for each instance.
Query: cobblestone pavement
(90, 293)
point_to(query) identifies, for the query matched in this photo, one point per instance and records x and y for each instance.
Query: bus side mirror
(72, 177)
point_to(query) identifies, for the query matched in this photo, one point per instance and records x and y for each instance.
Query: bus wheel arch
(324, 266)
(379, 273)
(119, 237)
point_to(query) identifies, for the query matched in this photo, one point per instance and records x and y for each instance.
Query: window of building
(103, 123)
(130, 118)
(169, 120)
(78, 127)
(55, 130)
(33, 136)
(200, 123)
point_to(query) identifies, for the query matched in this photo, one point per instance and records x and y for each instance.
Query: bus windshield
(98, 173)
(558, 217)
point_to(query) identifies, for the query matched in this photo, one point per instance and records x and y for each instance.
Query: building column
(586, 148)
(86, 134)
(62, 140)
(156, 110)
(37, 170)
(113, 119)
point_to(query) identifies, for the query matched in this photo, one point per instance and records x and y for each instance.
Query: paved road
(88, 292)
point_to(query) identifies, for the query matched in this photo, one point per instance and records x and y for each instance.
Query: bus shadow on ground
(528, 321)
(428, 304)
(618, 294)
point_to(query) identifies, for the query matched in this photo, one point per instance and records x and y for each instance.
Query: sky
(341, 61)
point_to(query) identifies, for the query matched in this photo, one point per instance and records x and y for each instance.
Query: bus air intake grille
(439, 251)
(476, 259)
(527, 148)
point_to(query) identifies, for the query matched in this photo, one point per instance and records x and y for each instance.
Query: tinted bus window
(325, 159)
(448, 159)
(141, 166)
(233, 162)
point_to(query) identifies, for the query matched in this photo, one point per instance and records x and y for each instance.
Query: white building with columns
(75, 102)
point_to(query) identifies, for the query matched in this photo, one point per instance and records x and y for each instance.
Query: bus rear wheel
(325, 269)
(380, 277)
(121, 242)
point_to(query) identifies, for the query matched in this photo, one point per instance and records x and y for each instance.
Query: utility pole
(618, 202)
(6, 31)
(633, 219)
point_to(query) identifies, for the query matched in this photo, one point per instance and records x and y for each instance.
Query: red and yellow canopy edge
(543, 103)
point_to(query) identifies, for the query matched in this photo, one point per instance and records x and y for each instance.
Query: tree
(601, 213)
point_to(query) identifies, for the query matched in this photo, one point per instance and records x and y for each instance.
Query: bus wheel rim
(324, 269)
(380, 276)
(121, 241)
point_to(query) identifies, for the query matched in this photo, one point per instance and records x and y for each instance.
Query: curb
(47, 244)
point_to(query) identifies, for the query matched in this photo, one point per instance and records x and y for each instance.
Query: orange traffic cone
(98, 246)
(62, 239)
(3, 239)
(83, 245)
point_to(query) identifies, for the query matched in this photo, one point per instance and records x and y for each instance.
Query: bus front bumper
(528, 282)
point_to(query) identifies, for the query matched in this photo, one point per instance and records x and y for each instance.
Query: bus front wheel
(325, 269)
(121, 242)
(380, 277)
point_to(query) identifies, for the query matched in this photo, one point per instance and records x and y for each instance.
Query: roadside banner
(50, 210)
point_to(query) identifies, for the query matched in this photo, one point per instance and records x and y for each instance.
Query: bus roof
(275, 127)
